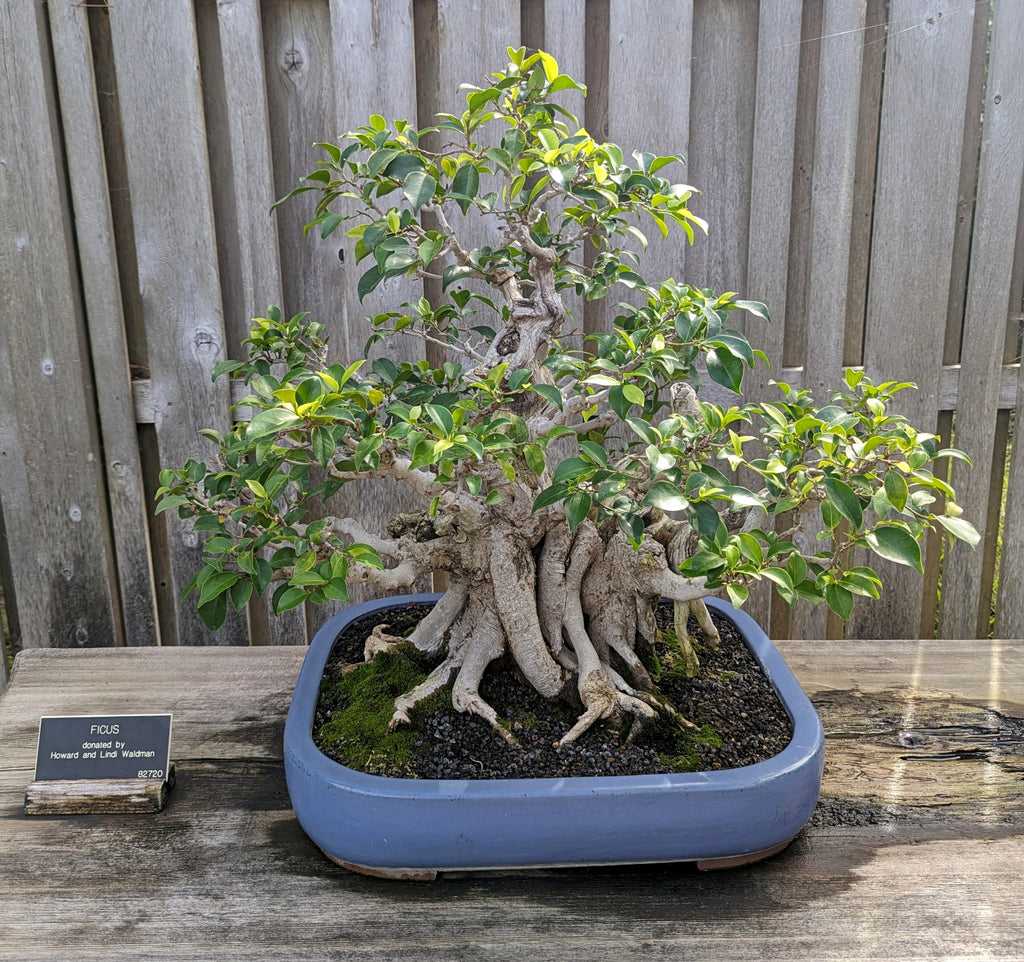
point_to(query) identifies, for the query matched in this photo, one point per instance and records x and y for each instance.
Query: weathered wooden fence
(861, 167)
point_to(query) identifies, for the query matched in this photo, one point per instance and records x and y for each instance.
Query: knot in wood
(293, 61)
(508, 343)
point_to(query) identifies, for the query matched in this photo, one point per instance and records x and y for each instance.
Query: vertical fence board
(234, 87)
(650, 63)
(94, 230)
(832, 187)
(965, 600)
(926, 72)
(722, 86)
(168, 175)
(836, 127)
(183, 122)
(54, 503)
(872, 62)
(374, 71)
(771, 192)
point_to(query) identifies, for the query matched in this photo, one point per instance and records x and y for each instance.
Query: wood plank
(836, 134)
(92, 796)
(227, 702)
(56, 519)
(926, 72)
(104, 315)
(866, 880)
(771, 192)
(234, 100)
(156, 60)
(965, 596)
(373, 60)
(650, 98)
(722, 99)
(872, 66)
(835, 154)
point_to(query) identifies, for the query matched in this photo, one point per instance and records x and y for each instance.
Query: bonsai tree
(568, 482)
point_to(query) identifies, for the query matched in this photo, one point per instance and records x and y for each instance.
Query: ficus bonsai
(568, 482)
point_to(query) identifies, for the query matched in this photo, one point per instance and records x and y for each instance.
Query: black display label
(103, 746)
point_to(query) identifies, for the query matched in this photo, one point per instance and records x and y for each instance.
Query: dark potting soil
(740, 717)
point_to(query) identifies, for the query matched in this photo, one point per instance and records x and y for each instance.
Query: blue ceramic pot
(413, 828)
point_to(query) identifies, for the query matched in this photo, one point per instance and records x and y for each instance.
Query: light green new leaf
(270, 422)
(959, 528)
(896, 543)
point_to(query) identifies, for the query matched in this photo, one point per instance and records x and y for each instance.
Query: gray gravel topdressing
(730, 694)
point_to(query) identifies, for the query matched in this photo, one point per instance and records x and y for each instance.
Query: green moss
(362, 702)
(682, 756)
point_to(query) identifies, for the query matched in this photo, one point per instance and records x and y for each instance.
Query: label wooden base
(98, 796)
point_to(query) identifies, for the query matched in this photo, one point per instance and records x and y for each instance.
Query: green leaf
(842, 497)
(703, 518)
(753, 307)
(223, 367)
(840, 600)
(896, 491)
(534, 458)
(217, 585)
(550, 495)
(465, 184)
(959, 528)
(172, 501)
(271, 422)
(419, 189)
(633, 394)
(550, 393)
(215, 612)
(441, 416)
(322, 442)
(725, 368)
(329, 224)
(369, 281)
(429, 249)
(571, 469)
(577, 507)
(287, 597)
(738, 594)
(665, 496)
(241, 592)
(896, 543)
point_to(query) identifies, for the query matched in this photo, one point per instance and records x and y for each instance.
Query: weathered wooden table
(916, 852)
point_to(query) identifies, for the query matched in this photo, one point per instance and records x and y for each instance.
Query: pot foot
(398, 874)
(733, 861)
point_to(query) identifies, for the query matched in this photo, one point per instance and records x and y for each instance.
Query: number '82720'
(151, 773)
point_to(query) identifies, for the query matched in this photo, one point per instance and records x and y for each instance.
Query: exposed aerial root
(380, 641)
(603, 701)
(434, 682)
(570, 612)
(488, 645)
(430, 633)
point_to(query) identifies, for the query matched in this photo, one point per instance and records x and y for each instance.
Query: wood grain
(60, 560)
(965, 606)
(105, 321)
(98, 796)
(905, 859)
(140, 151)
(926, 72)
(167, 163)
